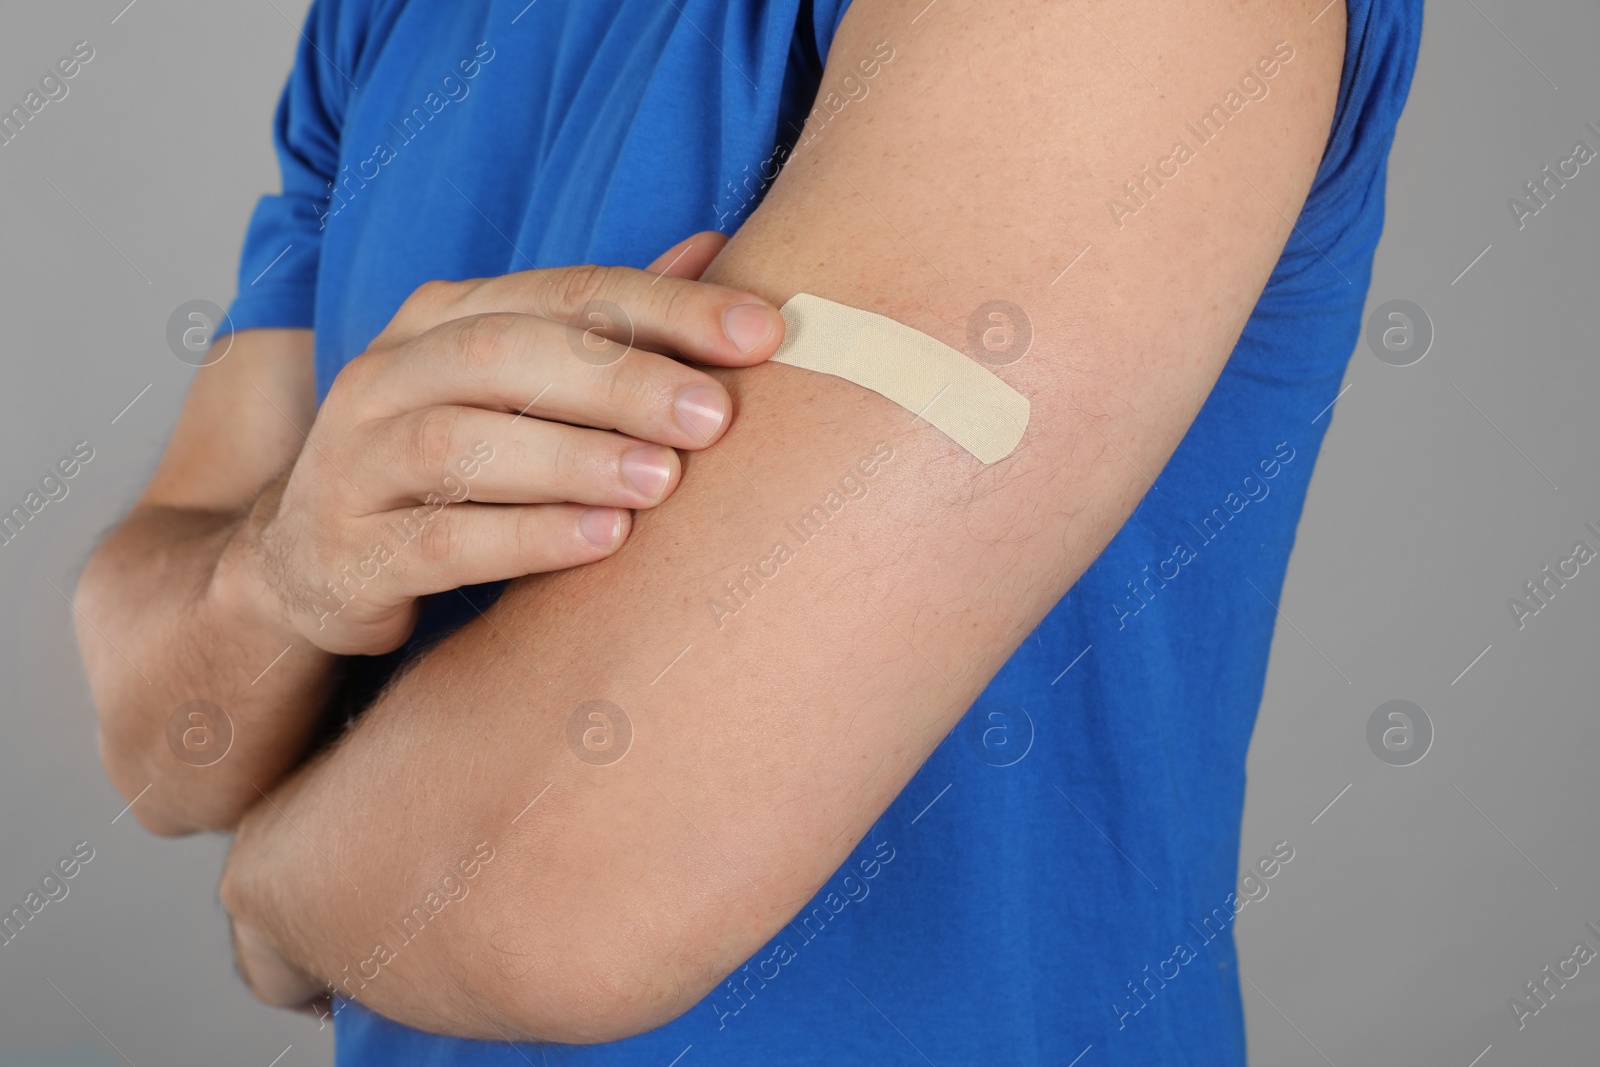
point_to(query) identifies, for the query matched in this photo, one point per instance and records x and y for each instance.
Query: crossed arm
(774, 718)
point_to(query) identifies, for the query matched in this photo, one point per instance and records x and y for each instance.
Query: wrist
(246, 586)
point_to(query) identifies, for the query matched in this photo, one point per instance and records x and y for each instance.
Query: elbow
(215, 818)
(128, 779)
(166, 796)
(619, 979)
(121, 746)
(595, 998)
(148, 791)
(139, 793)
(160, 823)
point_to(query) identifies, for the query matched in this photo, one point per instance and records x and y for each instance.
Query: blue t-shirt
(1062, 872)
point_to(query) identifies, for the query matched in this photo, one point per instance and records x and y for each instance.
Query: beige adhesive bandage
(952, 393)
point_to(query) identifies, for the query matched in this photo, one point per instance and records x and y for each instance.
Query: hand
(497, 428)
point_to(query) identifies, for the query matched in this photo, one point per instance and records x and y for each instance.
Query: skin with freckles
(765, 745)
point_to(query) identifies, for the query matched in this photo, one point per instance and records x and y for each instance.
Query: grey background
(1416, 905)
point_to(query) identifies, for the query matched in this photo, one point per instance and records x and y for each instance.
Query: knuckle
(626, 388)
(430, 296)
(580, 285)
(567, 461)
(442, 540)
(642, 387)
(326, 550)
(677, 303)
(431, 439)
(483, 342)
(354, 378)
(428, 305)
(308, 570)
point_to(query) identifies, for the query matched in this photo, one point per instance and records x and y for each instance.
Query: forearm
(627, 890)
(204, 698)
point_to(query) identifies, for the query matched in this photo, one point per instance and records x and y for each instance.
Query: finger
(706, 323)
(463, 453)
(467, 544)
(525, 365)
(690, 257)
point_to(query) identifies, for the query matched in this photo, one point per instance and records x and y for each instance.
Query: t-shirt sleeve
(826, 16)
(282, 248)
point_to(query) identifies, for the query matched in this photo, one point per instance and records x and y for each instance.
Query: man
(684, 788)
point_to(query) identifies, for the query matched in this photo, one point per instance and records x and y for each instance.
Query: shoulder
(348, 31)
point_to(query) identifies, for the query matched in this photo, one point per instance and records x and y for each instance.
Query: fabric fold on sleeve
(278, 265)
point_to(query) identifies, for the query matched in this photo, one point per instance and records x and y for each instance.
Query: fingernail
(601, 526)
(747, 325)
(647, 470)
(701, 411)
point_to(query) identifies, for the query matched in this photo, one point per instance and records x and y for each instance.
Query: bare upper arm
(242, 423)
